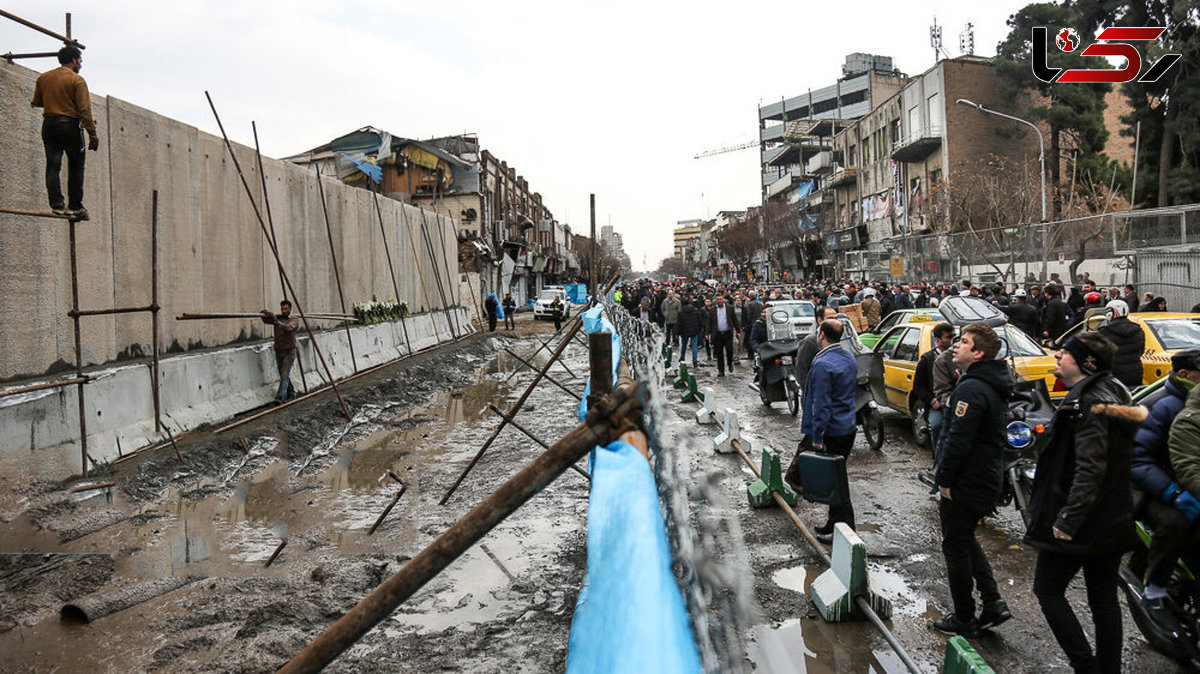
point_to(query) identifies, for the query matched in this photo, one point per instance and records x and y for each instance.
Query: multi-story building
(686, 232)
(518, 245)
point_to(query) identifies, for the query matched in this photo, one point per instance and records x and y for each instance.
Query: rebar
(337, 274)
(383, 515)
(38, 387)
(529, 434)
(387, 251)
(45, 31)
(550, 379)
(420, 275)
(437, 276)
(78, 349)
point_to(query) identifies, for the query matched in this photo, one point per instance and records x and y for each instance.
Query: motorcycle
(1030, 412)
(1184, 600)
(775, 375)
(866, 410)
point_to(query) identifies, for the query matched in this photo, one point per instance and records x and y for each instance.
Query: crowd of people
(1106, 463)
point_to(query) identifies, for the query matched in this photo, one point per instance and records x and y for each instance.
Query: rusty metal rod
(191, 316)
(550, 379)
(337, 273)
(35, 214)
(437, 276)
(387, 251)
(383, 515)
(108, 312)
(275, 251)
(10, 57)
(88, 487)
(171, 438)
(420, 275)
(78, 347)
(539, 350)
(500, 413)
(271, 559)
(512, 412)
(604, 424)
(600, 368)
(45, 31)
(446, 265)
(154, 378)
(39, 387)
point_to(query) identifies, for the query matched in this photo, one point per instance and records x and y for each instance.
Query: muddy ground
(305, 475)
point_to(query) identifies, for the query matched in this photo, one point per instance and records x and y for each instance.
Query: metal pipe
(437, 276)
(388, 509)
(550, 379)
(512, 412)
(603, 424)
(109, 312)
(446, 266)
(279, 549)
(337, 274)
(391, 267)
(36, 214)
(78, 349)
(10, 57)
(865, 607)
(599, 366)
(45, 31)
(188, 316)
(420, 276)
(500, 413)
(39, 387)
(545, 344)
(154, 388)
(275, 251)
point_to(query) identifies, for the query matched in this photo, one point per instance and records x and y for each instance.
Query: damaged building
(509, 241)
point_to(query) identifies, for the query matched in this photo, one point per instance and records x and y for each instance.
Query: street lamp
(1041, 142)
(1041, 160)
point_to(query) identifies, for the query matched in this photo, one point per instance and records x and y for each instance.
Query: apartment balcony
(820, 163)
(918, 144)
(842, 175)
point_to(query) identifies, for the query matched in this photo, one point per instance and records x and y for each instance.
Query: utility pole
(592, 253)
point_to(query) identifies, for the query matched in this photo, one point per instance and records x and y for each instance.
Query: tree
(1074, 112)
(672, 266)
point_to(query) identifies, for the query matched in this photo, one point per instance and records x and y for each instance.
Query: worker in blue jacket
(829, 401)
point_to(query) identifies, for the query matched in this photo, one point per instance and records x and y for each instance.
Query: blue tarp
(372, 171)
(804, 189)
(577, 293)
(499, 306)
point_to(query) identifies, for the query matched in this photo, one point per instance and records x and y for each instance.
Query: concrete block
(834, 591)
(962, 659)
(705, 414)
(692, 394)
(770, 481)
(723, 443)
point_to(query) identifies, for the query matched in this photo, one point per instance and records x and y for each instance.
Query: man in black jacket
(1022, 314)
(922, 390)
(723, 325)
(1130, 342)
(970, 477)
(1081, 510)
(1057, 316)
(691, 322)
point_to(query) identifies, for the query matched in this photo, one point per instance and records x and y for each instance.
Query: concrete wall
(212, 254)
(200, 387)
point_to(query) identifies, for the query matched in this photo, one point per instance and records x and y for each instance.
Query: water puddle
(810, 645)
(791, 579)
(905, 601)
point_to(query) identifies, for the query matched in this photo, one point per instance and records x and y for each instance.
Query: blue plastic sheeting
(372, 171)
(630, 616)
(595, 321)
(576, 292)
(499, 306)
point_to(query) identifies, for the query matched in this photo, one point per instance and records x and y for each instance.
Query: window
(892, 319)
(935, 176)
(909, 346)
(852, 156)
(887, 344)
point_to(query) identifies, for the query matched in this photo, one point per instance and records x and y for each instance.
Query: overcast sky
(613, 99)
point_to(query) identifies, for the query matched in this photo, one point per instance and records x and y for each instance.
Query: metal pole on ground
(550, 379)
(529, 434)
(337, 274)
(275, 251)
(603, 424)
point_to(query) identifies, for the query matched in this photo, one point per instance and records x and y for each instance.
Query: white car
(543, 307)
(802, 313)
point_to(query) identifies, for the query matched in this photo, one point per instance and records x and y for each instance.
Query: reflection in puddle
(791, 579)
(905, 602)
(810, 645)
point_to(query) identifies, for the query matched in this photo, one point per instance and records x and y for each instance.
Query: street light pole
(1041, 163)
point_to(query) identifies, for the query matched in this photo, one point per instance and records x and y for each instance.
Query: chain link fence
(1155, 250)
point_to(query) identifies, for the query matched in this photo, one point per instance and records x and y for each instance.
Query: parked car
(899, 349)
(1166, 334)
(802, 314)
(899, 317)
(542, 308)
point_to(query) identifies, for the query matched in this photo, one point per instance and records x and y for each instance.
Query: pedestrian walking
(66, 114)
(690, 324)
(556, 310)
(970, 477)
(723, 325)
(509, 305)
(670, 312)
(828, 423)
(1081, 510)
(492, 309)
(286, 326)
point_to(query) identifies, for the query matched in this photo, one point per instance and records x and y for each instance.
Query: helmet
(1019, 292)
(1093, 297)
(869, 292)
(1117, 308)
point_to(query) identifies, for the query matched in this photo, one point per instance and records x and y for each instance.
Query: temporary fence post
(78, 348)
(337, 274)
(417, 261)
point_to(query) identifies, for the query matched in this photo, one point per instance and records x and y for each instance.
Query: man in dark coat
(1022, 314)
(492, 308)
(724, 325)
(1081, 510)
(690, 324)
(751, 312)
(1057, 316)
(1169, 511)
(809, 346)
(970, 477)
(1130, 341)
(1131, 298)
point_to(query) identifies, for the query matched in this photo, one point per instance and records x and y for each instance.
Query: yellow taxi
(1166, 334)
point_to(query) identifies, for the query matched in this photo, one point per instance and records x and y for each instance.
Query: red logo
(1110, 42)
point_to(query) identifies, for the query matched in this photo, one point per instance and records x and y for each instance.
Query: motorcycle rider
(970, 477)
(1167, 509)
(1081, 509)
(1130, 341)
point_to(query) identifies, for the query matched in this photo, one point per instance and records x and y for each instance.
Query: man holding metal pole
(66, 114)
(286, 326)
